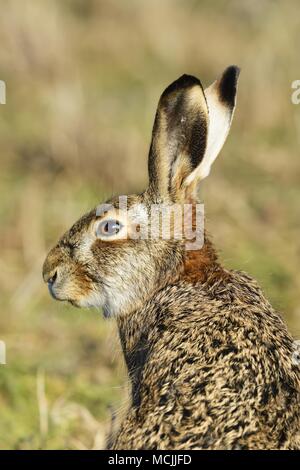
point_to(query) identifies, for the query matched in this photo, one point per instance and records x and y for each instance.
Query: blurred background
(83, 79)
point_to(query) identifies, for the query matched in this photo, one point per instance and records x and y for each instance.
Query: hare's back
(221, 366)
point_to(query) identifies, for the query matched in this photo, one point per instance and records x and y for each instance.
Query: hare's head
(119, 253)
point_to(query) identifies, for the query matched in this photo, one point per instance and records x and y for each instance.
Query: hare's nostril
(53, 278)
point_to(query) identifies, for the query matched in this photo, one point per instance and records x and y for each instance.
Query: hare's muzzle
(52, 273)
(50, 278)
(51, 281)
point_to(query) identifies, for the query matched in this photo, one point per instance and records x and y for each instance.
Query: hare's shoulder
(232, 308)
(226, 329)
(220, 363)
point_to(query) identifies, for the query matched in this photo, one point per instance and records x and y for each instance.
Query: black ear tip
(187, 80)
(228, 84)
(233, 70)
(183, 82)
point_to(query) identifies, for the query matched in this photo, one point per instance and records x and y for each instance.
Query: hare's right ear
(221, 99)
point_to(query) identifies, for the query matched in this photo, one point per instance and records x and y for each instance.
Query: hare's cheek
(83, 281)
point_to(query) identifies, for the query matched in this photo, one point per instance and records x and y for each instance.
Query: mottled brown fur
(217, 373)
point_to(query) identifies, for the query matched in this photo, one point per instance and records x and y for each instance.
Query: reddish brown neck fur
(199, 264)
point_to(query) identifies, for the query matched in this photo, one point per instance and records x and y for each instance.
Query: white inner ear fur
(219, 121)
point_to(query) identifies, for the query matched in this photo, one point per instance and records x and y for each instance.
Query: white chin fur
(112, 303)
(95, 299)
(100, 300)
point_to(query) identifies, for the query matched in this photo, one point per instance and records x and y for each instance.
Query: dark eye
(108, 228)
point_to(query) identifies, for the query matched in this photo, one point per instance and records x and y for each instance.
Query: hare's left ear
(178, 139)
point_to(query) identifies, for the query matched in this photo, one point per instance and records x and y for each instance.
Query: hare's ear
(221, 99)
(179, 137)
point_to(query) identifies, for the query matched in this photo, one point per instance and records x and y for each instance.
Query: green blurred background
(83, 78)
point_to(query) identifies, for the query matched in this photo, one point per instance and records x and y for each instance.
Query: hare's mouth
(57, 290)
(55, 293)
(59, 294)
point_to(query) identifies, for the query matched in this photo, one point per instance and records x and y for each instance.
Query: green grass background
(83, 78)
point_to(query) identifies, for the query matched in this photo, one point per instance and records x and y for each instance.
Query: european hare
(211, 363)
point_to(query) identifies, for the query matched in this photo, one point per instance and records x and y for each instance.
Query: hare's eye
(108, 228)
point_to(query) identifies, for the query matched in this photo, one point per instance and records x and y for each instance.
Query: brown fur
(229, 382)
(200, 264)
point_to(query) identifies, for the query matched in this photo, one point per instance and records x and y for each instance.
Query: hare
(211, 364)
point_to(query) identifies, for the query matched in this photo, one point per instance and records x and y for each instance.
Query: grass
(83, 79)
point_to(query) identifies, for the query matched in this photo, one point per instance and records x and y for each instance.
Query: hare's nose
(52, 278)
(51, 266)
